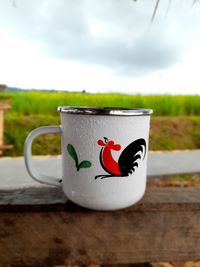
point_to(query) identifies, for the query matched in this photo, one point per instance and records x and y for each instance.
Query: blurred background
(141, 54)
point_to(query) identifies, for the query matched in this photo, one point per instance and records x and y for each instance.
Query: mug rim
(114, 111)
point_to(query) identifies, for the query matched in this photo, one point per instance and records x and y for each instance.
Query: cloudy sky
(101, 45)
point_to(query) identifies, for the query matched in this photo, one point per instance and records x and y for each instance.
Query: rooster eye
(106, 140)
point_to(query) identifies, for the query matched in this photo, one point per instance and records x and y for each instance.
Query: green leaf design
(84, 164)
(72, 152)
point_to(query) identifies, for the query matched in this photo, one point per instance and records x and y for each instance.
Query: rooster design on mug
(128, 159)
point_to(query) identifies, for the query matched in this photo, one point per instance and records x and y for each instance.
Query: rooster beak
(106, 140)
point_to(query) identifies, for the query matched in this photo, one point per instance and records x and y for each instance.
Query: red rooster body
(127, 160)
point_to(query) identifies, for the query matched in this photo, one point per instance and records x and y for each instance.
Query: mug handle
(28, 155)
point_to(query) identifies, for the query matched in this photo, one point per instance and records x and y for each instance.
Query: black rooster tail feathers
(144, 150)
(129, 156)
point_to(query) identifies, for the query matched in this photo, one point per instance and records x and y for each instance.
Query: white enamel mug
(104, 155)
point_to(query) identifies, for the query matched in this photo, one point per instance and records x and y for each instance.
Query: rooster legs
(103, 176)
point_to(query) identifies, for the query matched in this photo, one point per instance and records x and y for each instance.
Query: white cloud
(100, 45)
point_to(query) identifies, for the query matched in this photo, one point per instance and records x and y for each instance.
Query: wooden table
(38, 227)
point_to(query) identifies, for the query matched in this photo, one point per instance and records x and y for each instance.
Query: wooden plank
(162, 198)
(1, 128)
(39, 228)
(4, 105)
(5, 147)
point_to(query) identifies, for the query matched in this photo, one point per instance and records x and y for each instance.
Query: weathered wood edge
(163, 226)
(51, 198)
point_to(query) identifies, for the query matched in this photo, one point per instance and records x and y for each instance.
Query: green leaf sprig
(83, 164)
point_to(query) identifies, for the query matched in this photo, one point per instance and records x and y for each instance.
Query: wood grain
(39, 227)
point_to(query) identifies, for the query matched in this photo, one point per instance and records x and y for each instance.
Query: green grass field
(175, 123)
(33, 102)
(166, 133)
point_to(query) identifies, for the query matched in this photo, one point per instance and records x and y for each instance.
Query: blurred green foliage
(34, 102)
